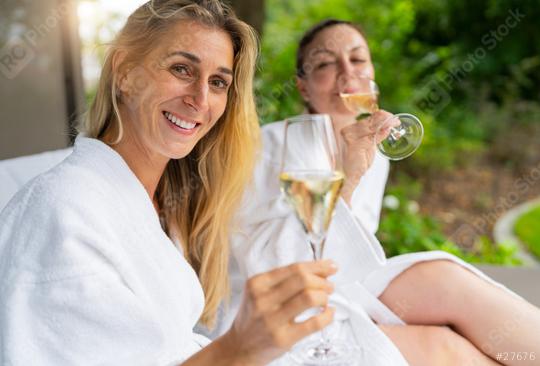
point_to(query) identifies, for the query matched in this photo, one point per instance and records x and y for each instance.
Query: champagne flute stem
(317, 248)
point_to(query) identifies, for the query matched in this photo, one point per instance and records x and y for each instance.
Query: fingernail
(332, 264)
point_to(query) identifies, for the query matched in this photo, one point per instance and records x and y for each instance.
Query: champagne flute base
(319, 353)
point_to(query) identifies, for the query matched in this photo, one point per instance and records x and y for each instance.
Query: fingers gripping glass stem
(360, 95)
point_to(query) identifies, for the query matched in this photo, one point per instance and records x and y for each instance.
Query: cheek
(322, 78)
(218, 106)
(141, 96)
(368, 70)
(321, 88)
(323, 83)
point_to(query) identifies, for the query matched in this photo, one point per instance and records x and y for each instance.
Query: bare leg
(431, 345)
(444, 293)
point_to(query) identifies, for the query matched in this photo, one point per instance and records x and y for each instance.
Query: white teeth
(179, 122)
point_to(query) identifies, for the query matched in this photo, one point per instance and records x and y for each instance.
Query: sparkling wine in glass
(311, 179)
(360, 95)
(361, 103)
(313, 195)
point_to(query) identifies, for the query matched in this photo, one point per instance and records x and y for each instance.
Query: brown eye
(220, 83)
(180, 69)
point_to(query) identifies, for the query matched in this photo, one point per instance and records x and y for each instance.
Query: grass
(527, 229)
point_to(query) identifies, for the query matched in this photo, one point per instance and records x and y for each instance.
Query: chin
(178, 155)
(179, 152)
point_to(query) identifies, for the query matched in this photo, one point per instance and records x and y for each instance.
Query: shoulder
(53, 220)
(272, 133)
(272, 139)
(69, 185)
(16, 172)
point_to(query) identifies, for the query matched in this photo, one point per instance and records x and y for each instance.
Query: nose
(346, 74)
(346, 67)
(197, 96)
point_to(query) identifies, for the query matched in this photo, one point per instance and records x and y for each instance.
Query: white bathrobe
(270, 235)
(87, 275)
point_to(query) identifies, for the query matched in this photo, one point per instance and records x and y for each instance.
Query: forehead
(338, 39)
(211, 45)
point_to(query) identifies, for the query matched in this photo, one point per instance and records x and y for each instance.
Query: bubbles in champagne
(360, 103)
(313, 195)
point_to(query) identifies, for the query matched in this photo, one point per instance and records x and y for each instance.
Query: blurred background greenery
(469, 69)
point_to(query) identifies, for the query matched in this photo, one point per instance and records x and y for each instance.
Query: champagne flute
(360, 94)
(311, 179)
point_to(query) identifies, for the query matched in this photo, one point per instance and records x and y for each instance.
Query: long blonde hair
(198, 194)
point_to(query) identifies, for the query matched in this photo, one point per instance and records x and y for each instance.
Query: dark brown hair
(310, 35)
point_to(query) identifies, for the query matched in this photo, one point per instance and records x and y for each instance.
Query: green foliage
(475, 54)
(499, 37)
(482, 62)
(404, 230)
(527, 229)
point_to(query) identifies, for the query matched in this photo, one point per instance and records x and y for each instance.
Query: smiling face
(336, 52)
(178, 93)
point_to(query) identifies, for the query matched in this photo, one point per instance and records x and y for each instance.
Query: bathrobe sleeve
(366, 201)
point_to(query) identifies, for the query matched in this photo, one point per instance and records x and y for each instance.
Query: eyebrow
(197, 60)
(326, 50)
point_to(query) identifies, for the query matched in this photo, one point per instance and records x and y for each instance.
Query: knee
(444, 274)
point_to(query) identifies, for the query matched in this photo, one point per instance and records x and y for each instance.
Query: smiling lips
(179, 122)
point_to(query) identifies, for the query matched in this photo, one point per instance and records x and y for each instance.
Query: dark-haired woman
(426, 303)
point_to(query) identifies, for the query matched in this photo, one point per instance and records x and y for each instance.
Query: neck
(148, 169)
(148, 166)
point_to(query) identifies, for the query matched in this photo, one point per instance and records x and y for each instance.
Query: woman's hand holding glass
(265, 326)
(358, 148)
(360, 94)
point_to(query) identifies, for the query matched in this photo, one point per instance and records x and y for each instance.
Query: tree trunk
(250, 11)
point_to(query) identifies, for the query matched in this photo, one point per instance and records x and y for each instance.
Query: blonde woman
(88, 275)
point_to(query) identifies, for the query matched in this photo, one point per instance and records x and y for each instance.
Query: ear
(119, 69)
(301, 85)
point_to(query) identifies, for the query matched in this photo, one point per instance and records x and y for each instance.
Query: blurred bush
(403, 229)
